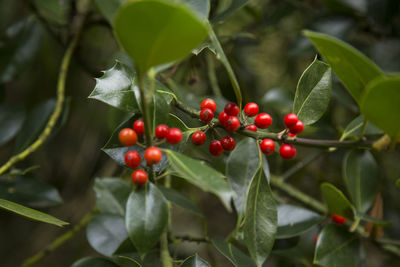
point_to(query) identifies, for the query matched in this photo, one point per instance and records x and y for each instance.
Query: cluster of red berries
(152, 155)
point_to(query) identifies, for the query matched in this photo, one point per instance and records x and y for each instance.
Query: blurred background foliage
(268, 52)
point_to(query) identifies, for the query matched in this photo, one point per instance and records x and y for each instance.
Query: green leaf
(313, 92)
(219, 53)
(29, 191)
(195, 261)
(94, 262)
(381, 104)
(353, 68)
(146, 217)
(373, 220)
(337, 247)
(115, 88)
(161, 105)
(293, 220)
(201, 175)
(11, 119)
(126, 261)
(18, 47)
(239, 172)
(108, 8)
(234, 255)
(111, 195)
(154, 32)
(180, 200)
(353, 129)
(36, 121)
(105, 233)
(361, 177)
(232, 8)
(398, 183)
(260, 224)
(336, 201)
(200, 7)
(30, 213)
(53, 10)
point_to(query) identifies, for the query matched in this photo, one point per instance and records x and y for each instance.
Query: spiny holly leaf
(337, 247)
(105, 233)
(201, 175)
(381, 104)
(355, 126)
(195, 261)
(155, 32)
(313, 92)
(146, 217)
(293, 220)
(29, 191)
(11, 119)
(353, 68)
(361, 177)
(180, 200)
(115, 88)
(233, 254)
(200, 7)
(30, 213)
(336, 201)
(111, 195)
(260, 224)
(108, 8)
(232, 8)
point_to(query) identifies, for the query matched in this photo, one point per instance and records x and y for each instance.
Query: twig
(59, 241)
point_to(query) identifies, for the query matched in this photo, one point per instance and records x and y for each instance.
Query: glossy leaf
(361, 177)
(220, 54)
(116, 88)
(201, 175)
(336, 201)
(94, 262)
(111, 195)
(180, 200)
(354, 128)
(293, 220)
(195, 261)
(30, 213)
(29, 191)
(18, 47)
(155, 32)
(232, 8)
(11, 119)
(200, 7)
(337, 247)
(353, 68)
(260, 224)
(381, 104)
(313, 92)
(233, 254)
(146, 217)
(126, 261)
(54, 10)
(375, 221)
(105, 232)
(108, 8)
(239, 172)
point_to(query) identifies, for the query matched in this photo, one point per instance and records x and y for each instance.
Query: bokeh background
(265, 45)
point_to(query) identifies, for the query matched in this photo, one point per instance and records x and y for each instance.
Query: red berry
(198, 138)
(228, 143)
(232, 124)
(263, 120)
(206, 115)
(251, 109)
(251, 127)
(316, 239)
(174, 136)
(152, 155)
(127, 137)
(139, 177)
(231, 109)
(138, 126)
(338, 219)
(287, 151)
(161, 131)
(208, 103)
(290, 120)
(291, 135)
(132, 159)
(297, 128)
(216, 148)
(223, 117)
(267, 146)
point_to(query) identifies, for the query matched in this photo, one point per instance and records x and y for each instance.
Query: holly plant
(174, 148)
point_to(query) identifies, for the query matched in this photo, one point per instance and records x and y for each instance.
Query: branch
(318, 143)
